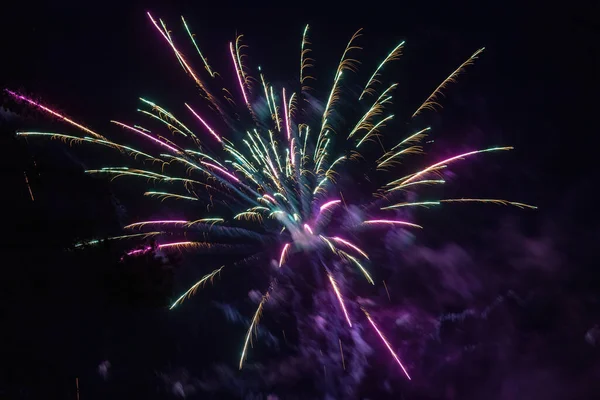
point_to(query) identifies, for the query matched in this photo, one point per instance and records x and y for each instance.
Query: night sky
(502, 303)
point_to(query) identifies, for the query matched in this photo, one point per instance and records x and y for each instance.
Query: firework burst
(274, 173)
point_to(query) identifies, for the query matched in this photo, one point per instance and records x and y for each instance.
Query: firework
(273, 170)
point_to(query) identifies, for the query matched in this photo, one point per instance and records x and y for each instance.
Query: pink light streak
(283, 253)
(339, 296)
(329, 204)
(392, 222)
(347, 243)
(237, 72)
(168, 146)
(133, 252)
(387, 345)
(54, 113)
(292, 155)
(271, 199)
(205, 124)
(222, 170)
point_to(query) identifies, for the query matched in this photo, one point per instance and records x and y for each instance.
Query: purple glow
(204, 123)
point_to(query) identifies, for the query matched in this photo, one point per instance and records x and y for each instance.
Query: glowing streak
(394, 54)
(168, 115)
(493, 201)
(392, 222)
(191, 291)
(329, 204)
(252, 326)
(219, 169)
(275, 110)
(340, 299)
(414, 137)
(448, 160)
(182, 60)
(417, 203)
(285, 115)
(57, 115)
(292, 152)
(283, 253)
(168, 146)
(183, 244)
(374, 129)
(237, 71)
(205, 124)
(28, 186)
(166, 195)
(386, 290)
(262, 79)
(212, 74)
(308, 229)
(157, 222)
(423, 182)
(359, 265)
(342, 353)
(431, 102)
(387, 344)
(347, 243)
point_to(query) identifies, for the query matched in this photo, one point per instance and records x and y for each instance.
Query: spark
(54, 113)
(329, 204)
(392, 222)
(432, 101)
(191, 291)
(387, 344)
(204, 123)
(157, 222)
(347, 243)
(283, 254)
(340, 299)
(238, 73)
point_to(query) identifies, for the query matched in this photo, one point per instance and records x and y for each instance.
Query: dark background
(64, 312)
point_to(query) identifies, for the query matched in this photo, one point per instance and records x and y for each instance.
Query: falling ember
(339, 296)
(342, 353)
(386, 290)
(387, 344)
(28, 186)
